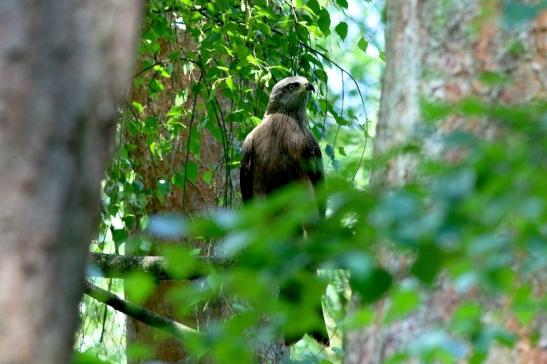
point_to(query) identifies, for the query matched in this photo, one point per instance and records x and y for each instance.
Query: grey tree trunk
(438, 50)
(63, 67)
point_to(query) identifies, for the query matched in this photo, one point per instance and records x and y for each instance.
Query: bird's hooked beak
(310, 87)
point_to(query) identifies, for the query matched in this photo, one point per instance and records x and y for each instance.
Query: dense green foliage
(481, 220)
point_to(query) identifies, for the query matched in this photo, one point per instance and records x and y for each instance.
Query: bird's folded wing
(246, 171)
(315, 169)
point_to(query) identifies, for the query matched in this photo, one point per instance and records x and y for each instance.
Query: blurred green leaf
(371, 285)
(403, 302)
(342, 29)
(517, 12)
(428, 264)
(363, 44)
(139, 286)
(86, 358)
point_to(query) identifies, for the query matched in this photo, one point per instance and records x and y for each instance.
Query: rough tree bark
(438, 50)
(63, 66)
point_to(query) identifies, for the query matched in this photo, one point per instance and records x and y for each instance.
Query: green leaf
(139, 286)
(324, 21)
(178, 180)
(314, 6)
(181, 98)
(402, 303)
(86, 358)
(357, 320)
(252, 60)
(162, 71)
(363, 44)
(434, 111)
(342, 29)
(192, 171)
(119, 235)
(155, 86)
(143, 222)
(428, 264)
(180, 261)
(329, 151)
(366, 278)
(138, 107)
(342, 3)
(264, 28)
(255, 121)
(139, 351)
(516, 13)
(371, 285)
(474, 106)
(207, 177)
(230, 83)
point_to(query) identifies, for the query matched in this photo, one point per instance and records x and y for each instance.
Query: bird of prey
(279, 151)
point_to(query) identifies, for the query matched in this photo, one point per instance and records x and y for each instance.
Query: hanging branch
(138, 312)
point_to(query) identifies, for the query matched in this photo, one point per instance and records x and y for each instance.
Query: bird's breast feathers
(280, 133)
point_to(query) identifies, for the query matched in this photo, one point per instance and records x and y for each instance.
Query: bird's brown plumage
(281, 150)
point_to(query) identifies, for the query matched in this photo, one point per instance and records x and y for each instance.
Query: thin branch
(105, 311)
(148, 68)
(342, 69)
(222, 127)
(190, 126)
(138, 312)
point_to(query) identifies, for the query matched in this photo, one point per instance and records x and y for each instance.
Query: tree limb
(138, 312)
(118, 266)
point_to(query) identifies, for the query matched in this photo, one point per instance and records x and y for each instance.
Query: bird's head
(289, 95)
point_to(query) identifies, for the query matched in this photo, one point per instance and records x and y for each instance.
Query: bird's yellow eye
(291, 87)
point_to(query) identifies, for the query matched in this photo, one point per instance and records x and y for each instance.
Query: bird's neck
(299, 116)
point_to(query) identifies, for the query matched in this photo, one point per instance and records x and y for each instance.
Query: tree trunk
(438, 50)
(189, 199)
(63, 65)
